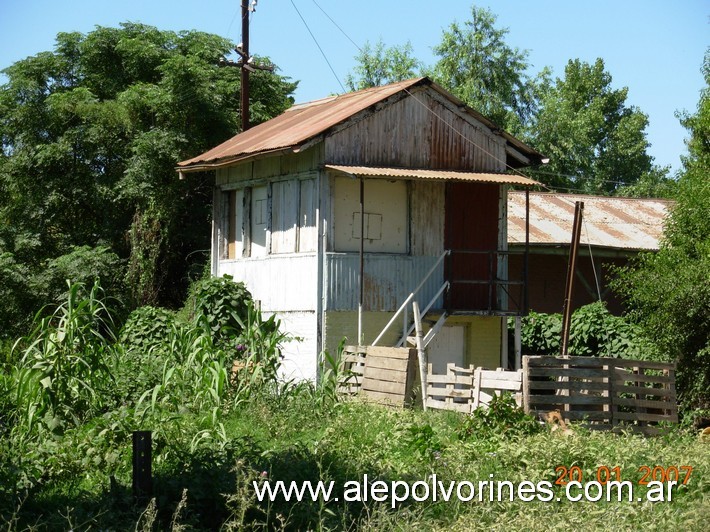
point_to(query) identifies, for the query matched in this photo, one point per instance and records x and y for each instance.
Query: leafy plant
(63, 362)
(220, 306)
(502, 418)
(594, 331)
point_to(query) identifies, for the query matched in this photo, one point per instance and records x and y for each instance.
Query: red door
(471, 233)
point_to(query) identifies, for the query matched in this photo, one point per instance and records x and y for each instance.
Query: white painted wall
(300, 360)
(285, 285)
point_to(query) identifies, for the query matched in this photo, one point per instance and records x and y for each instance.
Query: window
(256, 223)
(386, 224)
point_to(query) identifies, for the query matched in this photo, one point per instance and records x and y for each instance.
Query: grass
(290, 441)
(65, 442)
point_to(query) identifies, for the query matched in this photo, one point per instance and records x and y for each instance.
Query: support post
(569, 285)
(245, 71)
(423, 362)
(142, 465)
(361, 299)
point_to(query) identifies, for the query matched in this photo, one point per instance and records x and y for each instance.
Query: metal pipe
(569, 285)
(362, 262)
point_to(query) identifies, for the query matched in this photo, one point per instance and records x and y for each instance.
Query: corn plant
(258, 351)
(64, 361)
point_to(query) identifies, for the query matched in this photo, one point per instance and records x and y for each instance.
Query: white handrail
(411, 296)
(407, 332)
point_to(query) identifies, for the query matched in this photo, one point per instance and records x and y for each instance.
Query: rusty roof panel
(441, 175)
(298, 124)
(610, 222)
(305, 122)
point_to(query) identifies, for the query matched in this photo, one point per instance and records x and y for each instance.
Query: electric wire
(337, 26)
(319, 46)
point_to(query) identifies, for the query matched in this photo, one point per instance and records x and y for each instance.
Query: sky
(653, 47)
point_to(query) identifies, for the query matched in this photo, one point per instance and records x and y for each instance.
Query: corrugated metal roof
(609, 222)
(304, 122)
(446, 175)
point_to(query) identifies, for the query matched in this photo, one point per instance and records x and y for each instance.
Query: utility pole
(246, 62)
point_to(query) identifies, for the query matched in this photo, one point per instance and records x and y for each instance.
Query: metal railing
(476, 285)
(404, 306)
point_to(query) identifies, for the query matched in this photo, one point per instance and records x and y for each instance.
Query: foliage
(64, 360)
(377, 65)
(91, 131)
(502, 419)
(477, 65)
(595, 141)
(594, 331)
(669, 291)
(220, 305)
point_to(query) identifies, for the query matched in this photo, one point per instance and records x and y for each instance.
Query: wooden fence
(381, 374)
(465, 389)
(607, 393)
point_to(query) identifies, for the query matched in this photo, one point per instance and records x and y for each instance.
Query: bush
(219, 305)
(594, 331)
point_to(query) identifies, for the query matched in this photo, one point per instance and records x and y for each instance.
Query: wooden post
(420, 351)
(526, 384)
(142, 465)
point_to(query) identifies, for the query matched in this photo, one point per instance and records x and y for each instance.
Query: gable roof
(608, 222)
(301, 124)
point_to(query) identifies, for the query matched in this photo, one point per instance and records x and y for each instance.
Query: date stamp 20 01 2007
(680, 474)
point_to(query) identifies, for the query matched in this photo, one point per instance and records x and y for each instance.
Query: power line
(337, 26)
(319, 47)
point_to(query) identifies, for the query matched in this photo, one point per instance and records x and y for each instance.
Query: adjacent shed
(614, 230)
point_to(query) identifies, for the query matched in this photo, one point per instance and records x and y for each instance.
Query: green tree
(477, 65)
(595, 141)
(90, 134)
(670, 291)
(378, 65)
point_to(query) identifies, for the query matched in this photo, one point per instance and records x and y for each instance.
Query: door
(448, 345)
(471, 233)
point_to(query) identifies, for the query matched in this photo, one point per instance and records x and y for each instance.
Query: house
(337, 210)
(614, 230)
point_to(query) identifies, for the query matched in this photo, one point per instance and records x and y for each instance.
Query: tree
(379, 66)
(669, 291)
(595, 141)
(478, 66)
(90, 135)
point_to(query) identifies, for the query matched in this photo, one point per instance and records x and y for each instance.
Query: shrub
(220, 305)
(594, 331)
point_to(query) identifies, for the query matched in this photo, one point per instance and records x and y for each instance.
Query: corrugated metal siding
(394, 136)
(620, 223)
(389, 279)
(456, 144)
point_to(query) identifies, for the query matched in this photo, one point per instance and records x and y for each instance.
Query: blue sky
(653, 47)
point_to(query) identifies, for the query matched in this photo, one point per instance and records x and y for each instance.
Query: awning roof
(442, 175)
